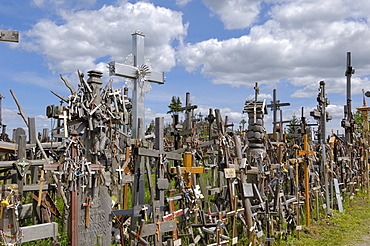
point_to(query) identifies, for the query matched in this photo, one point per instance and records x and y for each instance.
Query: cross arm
(122, 70)
(156, 77)
(278, 105)
(9, 36)
(129, 71)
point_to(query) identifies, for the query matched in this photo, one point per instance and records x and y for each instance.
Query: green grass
(349, 228)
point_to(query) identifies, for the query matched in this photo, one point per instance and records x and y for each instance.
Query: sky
(215, 49)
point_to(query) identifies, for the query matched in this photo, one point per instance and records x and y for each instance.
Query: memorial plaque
(230, 173)
(248, 189)
(99, 229)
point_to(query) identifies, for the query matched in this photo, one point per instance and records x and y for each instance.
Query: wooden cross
(141, 74)
(189, 111)
(307, 153)
(268, 215)
(235, 213)
(210, 118)
(137, 235)
(87, 205)
(275, 106)
(161, 182)
(172, 216)
(188, 169)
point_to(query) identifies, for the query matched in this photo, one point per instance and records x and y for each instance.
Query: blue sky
(214, 49)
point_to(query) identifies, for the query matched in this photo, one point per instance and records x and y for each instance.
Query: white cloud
(303, 43)
(261, 96)
(235, 14)
(57, 4)
(86, 37)
(182, 2)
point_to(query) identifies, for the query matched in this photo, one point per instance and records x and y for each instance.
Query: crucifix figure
(141, 73)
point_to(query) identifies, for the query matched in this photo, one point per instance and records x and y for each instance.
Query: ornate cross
(141, 74)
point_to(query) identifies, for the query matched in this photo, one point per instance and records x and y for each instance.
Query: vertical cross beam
(1, 106)
(274, 108)
(306, 152)
(138, 106)
(348, 74)
(348, 121)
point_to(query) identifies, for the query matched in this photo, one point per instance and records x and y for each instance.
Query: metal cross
(140, 73)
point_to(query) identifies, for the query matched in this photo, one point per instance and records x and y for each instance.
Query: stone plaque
(99, 230)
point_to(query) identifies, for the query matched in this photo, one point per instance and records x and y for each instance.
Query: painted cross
(188, 170)
(307, 153)
(141, 74)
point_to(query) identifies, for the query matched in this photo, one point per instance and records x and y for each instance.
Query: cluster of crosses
(196, 182)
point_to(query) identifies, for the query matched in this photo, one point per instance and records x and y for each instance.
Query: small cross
(120, 170)
(87, 205)
(64, 117)
(257, 91)
(189, 111)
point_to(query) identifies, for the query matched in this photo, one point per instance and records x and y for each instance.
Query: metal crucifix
(141, 73)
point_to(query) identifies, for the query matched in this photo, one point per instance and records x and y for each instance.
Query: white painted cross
(141, 74)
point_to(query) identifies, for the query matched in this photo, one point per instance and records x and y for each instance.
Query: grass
(349, 228)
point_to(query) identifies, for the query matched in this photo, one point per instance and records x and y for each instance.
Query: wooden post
(188, 162)
(306, 181)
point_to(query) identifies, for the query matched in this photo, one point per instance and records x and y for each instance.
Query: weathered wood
(7, 147)
(9, 36)
(41, 231)
(166, 226)
(32, 130)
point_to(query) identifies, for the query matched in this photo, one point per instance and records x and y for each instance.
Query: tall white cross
(141, 74)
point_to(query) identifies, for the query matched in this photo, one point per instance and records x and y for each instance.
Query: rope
(17, 237)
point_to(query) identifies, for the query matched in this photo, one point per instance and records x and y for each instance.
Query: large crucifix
(141, 73)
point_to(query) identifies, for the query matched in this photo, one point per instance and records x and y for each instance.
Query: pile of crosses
(196, 182)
